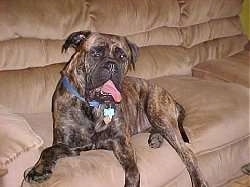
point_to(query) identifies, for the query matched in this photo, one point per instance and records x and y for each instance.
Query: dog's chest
(126, 117)
(135, 117)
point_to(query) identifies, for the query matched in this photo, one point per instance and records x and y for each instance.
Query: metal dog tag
(108, 115)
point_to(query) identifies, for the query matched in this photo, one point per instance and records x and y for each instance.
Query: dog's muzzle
(107, 92)
(106, 82)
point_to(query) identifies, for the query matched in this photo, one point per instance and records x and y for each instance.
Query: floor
(241, 182)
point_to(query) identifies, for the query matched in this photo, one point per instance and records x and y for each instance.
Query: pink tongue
(110, 88)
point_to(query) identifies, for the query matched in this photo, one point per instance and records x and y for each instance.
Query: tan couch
(173, 36)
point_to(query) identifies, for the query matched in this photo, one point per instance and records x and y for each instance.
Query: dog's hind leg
(180, 120)
(43, 168)
(163, 116)
(155, 139)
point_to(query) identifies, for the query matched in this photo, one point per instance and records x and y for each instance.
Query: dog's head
(100, 63)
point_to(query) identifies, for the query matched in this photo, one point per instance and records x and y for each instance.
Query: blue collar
(71, 89)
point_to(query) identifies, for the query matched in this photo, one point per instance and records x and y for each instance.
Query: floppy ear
(75, 39)
(134, 49)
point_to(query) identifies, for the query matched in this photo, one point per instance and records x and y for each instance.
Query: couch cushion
(14, 174)
(23, 53)
(217, 113)
(219, 48)
(101, 169)
(16, 137)
(216, 139)
(22, 19)
(207, 10)
(25, 19)
(211, 107)
(29, 52)
(29, 90)
(99, 165)
(42, 124)
(213, 29)
(226, 69)
(36, 85)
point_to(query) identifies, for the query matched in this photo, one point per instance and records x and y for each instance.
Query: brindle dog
(95, 106)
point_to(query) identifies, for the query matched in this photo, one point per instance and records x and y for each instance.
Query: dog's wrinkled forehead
(117, 46)
(107, 40)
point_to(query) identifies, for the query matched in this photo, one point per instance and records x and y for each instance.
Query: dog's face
(104, 60)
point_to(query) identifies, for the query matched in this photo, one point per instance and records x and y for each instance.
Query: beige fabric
(207, 10)
(242, 57)
(228, 69)
(36, 52)
(211, 107)
(16, 137)
(191, 35)
(14, 176)
(159, 167)
(101, 169)
(42, 19)
(145, 15)
(203, 32)
(204, 102)
(29, 90)
(218, 149)
(215, 49)
(23, 53)
(215, 165)
(34, 19)
(24, 18)
(220, 166)
(224, 164)
(155, 61)
(208, 107)
(41, 123)
(160, 36)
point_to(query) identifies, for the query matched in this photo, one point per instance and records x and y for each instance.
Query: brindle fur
(144, 108)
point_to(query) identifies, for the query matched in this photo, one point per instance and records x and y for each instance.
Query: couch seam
(206, 151)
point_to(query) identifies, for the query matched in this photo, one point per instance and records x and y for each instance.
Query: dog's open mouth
(107, 90)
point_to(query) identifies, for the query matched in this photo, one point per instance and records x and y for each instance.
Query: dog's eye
(97, 52)
(123, 56)
(120, 54)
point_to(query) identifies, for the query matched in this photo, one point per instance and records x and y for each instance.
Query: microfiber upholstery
(173, 36)
(16, 137)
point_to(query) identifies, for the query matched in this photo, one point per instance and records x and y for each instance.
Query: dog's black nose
(111, 66)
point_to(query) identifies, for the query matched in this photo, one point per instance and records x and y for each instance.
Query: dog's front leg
(43, 168)
(125, 154)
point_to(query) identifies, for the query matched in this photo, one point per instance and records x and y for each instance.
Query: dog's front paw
(155, 140)
(32, 175)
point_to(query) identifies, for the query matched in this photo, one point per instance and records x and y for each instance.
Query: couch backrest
(55, 20)
(173, 36)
